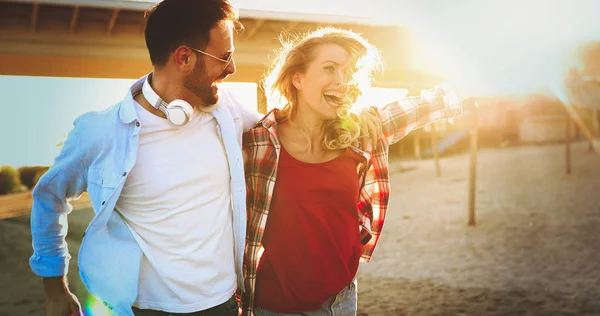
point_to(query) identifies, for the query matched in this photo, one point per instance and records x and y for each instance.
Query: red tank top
(311, 240)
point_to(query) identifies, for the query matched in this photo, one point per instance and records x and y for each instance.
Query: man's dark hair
(173, 23)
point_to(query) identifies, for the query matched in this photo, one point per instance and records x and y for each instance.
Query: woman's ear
(297, 81)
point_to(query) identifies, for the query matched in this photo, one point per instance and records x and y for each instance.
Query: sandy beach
(534, 251)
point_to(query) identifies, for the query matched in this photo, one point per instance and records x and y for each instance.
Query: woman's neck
(302, 137)
(311, 127)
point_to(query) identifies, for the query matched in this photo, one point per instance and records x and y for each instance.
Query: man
(164, 172)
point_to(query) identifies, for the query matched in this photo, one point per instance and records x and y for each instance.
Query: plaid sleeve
(404, 116)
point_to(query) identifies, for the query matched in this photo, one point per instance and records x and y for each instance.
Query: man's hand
(59, 299)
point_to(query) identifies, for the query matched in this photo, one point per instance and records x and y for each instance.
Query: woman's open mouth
(334, 99)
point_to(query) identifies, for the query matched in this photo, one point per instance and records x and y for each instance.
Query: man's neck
(167, 88)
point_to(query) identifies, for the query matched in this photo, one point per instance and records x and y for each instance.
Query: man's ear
(184, 58)
(297, 81)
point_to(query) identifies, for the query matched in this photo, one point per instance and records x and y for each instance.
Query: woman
(316, 197)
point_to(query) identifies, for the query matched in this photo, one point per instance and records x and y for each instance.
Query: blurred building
(104, 39)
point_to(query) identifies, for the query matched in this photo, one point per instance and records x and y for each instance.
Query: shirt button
(124, 173)
(103, 202)
(137, 124)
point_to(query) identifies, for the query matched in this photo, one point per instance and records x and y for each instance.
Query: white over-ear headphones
(178, 112)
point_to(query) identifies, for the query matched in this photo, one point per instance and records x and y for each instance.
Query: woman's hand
(370, 128)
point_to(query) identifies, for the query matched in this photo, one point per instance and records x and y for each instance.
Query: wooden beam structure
(255, 28)
(73, 22)
(292, 25)
(112, 22)
(35, 11)
(71, 33)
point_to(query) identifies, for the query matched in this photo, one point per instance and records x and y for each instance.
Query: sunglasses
(226, 61)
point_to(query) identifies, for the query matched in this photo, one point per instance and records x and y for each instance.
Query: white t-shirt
(177, 202)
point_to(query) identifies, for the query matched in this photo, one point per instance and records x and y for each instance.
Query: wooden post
(595, 125)
(568, 127)
(473, 166)
(400, 149)
(261, 99)
(578, 122)
(417, 144)
(434, 148)
(594, 129)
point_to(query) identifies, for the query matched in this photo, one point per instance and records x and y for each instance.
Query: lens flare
(93, 307)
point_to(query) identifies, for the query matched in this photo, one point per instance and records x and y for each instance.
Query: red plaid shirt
(261, 149)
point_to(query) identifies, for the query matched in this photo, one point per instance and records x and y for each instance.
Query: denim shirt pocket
(101, 183)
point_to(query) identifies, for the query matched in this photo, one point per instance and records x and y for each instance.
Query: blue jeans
(341, 304)
(229, 308)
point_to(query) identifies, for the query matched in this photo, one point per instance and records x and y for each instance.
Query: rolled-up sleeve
(66, 179)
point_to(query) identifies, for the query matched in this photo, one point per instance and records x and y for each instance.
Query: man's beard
(199, 85)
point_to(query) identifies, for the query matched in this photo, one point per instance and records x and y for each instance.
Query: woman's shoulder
(261, 131)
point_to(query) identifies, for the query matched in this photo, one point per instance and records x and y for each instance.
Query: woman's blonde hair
(295, 56)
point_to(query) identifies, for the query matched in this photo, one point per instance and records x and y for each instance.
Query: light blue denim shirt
(96, 157)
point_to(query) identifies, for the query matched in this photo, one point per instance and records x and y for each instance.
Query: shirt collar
(269, 122)
(127, 111)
